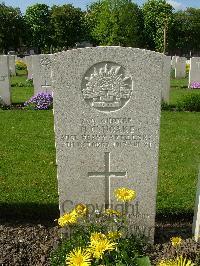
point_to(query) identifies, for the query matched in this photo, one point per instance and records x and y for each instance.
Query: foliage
(157, 17)
(179, 253)
(27, 83)
(115, 22)
(20, 65)
(68, 26)
(105, 235)
(42, 101)
(184, 32)
(187, 69)
(38, 27)
(190, 103)
(11, 28)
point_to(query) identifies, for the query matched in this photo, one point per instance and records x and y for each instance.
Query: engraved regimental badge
(107, 87)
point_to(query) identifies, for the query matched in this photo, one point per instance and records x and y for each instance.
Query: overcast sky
(179, 4)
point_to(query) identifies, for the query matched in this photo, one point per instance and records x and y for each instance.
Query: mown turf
(20, 94)
(179, 160)
(179, 89)
(27, 161)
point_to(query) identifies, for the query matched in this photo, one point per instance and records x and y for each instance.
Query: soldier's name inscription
(109, 132)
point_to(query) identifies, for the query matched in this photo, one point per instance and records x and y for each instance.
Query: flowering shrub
(195, 85)
(100, 238)
(42, 101)
(187, 69)
(176, 260)
(20, 65)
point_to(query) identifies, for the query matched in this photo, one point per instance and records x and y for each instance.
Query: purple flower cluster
(195, 85)
(42, 101)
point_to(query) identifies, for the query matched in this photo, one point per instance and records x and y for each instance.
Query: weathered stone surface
(180, 67)
(12, 64)
(196, 219)
(194, 74)
(28, 61)
(5, 79)
(107, 119)
(41, 66)
(173, 61)
(166, 79)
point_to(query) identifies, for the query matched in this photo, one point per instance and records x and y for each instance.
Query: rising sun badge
(106, 87)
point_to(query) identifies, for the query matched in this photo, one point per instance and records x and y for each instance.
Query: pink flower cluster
(195, 85)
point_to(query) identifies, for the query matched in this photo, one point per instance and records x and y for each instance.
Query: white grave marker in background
(196, 219)
(5, 79)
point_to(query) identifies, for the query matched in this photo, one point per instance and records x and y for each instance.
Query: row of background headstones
(39, 69)
(40, 66)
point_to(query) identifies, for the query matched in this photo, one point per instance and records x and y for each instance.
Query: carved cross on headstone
(46, 87)
(107, 174)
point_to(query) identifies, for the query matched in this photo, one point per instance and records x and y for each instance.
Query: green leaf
(144, 261)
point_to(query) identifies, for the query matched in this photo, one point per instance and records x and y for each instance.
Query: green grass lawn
(20, 94)
(28, 183)
(179, 89)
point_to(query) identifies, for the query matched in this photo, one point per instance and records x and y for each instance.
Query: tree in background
(37, 19)
(184, 34)
(157, 18)
(11, 28)
(68, 26)
(115, 22)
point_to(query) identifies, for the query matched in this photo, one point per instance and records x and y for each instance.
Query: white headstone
(173, 61)
(194, 74)
(5, 79)
(180, 67)
(28, 61)
(166, 79)
(41, 66)
(196, 219)
(107, 119)
(12, 65)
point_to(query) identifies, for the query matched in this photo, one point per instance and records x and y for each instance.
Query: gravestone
(166, 78)
(194, 74)
(41, 66)
(173, 61)
(180, 67)
(12, 65)
(196, 219)
(107, 119)
(5, 79)
(28, 61)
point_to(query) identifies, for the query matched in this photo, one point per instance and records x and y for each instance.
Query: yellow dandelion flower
(176, 241)
(67, 219)
(180, 261)
(79, 257)
(124, 194)
(81, 209)
(112, 212)
(114, 234)
(95, 237)
(98, 248)
(166, 263)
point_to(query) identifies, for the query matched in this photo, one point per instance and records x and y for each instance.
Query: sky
(177, 4)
